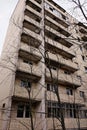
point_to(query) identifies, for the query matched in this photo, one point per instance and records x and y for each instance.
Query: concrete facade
(44, 54)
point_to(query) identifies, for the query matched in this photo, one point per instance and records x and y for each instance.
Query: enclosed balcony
(64, 63)
(29, 52)
(63, 79)
(58, 48)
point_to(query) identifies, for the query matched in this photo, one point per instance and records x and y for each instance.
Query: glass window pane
(20, 111)
(27, 111)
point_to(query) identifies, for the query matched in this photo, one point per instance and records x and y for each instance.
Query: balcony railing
(34, 3)
(29, 52)
(68, 64)
(54, 24)
(60, 36)
(61, 49)
(57, 16)
(83, 30)
(28, 71)
(65, 98)
(64, 79)
(37, 14)
(32, 21)
(23, 92)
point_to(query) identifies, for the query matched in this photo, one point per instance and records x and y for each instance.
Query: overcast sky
(7, 7)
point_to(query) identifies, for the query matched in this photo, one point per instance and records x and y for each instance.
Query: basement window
(69, 91)
(23, 111)
(25, 84)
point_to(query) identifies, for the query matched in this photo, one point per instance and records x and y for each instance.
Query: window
(80, 47)
(67, 72)
(20, 111)
(51, 8)
(28, 62)
(71, 110)
(81, 94)
(51, 87)
(53, 109)
(3, 105)
(69, 91)
(85, 69)
(25, 84)
(85, 113)
(52, 67)
(83, 58)
(79, 77)
(23, 111)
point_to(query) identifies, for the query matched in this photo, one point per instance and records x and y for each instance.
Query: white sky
(7, 7)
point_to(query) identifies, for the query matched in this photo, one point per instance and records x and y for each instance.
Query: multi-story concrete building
(43, 69)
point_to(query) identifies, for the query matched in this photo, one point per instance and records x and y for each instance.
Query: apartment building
(43, 69)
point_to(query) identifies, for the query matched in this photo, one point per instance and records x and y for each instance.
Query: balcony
(55, 25)
(84, 37)
(25, 38)
(34, 4)
(58, 48)
(65, 98)
(31, 24)
(65, 64)
(83, 30)
(58, 37)
(29, 52)
(31, 37)
(56, 6)
(63, 79)
(25, 70)
(30, 12)
(56, 16)
(22, 92)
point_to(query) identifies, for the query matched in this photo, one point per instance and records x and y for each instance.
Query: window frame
(25, 83)
(69, 91)
(23, 113)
